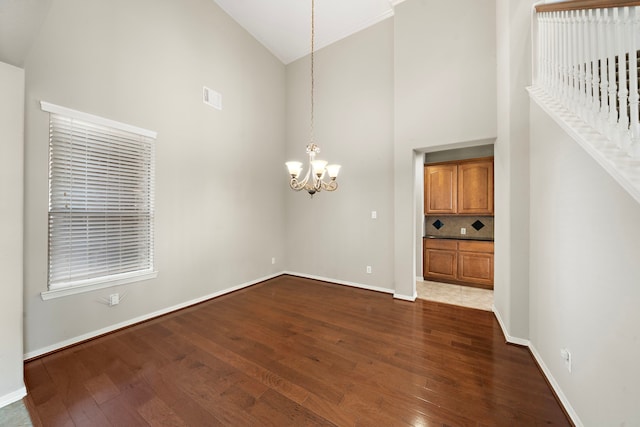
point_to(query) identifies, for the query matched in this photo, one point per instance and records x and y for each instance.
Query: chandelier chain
(313, 34)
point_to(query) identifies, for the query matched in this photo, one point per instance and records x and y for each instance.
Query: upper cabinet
(440, 189)
(463, 188)
(475, 187)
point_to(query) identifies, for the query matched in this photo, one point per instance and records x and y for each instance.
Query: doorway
(455, 264)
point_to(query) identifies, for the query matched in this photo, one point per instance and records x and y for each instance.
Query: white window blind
(101, 199)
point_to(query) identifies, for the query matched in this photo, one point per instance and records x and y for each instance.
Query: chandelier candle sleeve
(314, 178)
(333, 171)
(294, 168)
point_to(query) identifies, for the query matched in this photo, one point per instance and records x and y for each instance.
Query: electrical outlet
(368, 269)
(374, 215)
(273, 260)
(566, 356)
(463, 230)
(114, 299)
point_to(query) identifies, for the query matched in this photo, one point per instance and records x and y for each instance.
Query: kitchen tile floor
(455, 294)
(15, 415)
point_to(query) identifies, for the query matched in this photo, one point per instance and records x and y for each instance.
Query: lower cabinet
(475, 262)
(459, 261)
(440, 259)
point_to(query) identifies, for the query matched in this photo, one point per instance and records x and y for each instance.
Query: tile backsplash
(448, 226)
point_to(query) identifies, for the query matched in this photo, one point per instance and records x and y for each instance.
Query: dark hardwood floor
(293, 351)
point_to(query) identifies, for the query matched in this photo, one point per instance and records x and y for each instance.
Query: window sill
(93, 285)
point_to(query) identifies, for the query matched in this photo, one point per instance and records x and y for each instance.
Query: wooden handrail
(585, 4)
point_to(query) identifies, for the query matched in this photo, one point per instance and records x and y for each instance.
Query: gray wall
(353, 127)
(585, 290)
(511, 168)
(445, 97)
(219, 212)
(11, 213)
(459, 154)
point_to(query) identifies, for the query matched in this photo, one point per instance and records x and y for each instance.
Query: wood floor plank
(157, 413)
(275, 409)
(292, 351)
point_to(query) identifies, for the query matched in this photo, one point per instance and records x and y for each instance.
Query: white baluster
(570, 63)
(566, 88)
(541, 51)
(595, 69)
(620, 18)
(634, 125)
(581, 64)
(604, 81)
(575, 61)
(568, 40)
(544, 46)
(537, 79)
(587, 67)
(553, 50)
(611, 74)
(555, 54)
(557, 49)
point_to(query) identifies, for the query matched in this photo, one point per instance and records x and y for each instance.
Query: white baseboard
(341, 282)
(12, 397)
(509, 338)
(556, 388)
(545, 370)
(111, 328)
(355, 285)
(411, 298)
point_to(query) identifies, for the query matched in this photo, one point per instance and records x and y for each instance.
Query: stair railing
(585, 76)
(586, 59)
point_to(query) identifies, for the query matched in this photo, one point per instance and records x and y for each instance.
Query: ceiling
(20, 21)
(282, 26)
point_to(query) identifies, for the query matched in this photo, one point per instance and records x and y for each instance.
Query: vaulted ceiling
(20, 21)
(282, 26)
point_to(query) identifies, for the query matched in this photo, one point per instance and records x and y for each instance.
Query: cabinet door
(440, 259)
(475, 267)
(440, 189)
(475, 187)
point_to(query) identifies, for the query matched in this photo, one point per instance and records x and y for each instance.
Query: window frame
(75, 286)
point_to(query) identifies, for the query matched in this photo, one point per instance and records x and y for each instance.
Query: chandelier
(315, 179)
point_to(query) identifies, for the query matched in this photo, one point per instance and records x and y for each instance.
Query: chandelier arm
(330, 186)
(300, 185)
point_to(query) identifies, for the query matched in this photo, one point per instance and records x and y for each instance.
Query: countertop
(461, 237)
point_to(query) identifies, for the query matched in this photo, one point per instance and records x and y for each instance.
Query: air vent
(212, 98)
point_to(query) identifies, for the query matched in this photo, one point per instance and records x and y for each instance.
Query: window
(101, 202)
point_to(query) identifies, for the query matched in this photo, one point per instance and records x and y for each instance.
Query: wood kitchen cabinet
(464, 188)
(475, 262)
(459, 261)
(475, 187)
(440, 259)
(440, 189)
